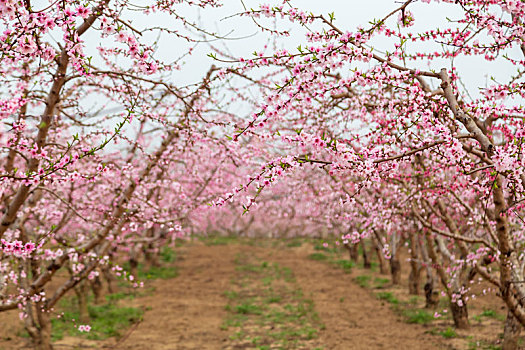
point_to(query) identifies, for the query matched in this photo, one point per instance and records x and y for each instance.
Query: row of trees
(410, 149)
(372, 134)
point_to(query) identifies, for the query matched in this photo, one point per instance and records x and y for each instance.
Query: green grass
(167, 255)
(112, 298)
(248, 309)
(231, 294)
(418, 316)
(482, 345)
(346, 265)
(267, 307)
(106, 321)
(319, 246)
(488, 313)
(318, 257)
(156, 272)
(363, 281)
(165, 271)
(380, 282)
(294, 243)
(388, 297)
(448, 333)
(220, 240)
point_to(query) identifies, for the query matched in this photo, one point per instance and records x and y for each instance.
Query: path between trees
(187, 312)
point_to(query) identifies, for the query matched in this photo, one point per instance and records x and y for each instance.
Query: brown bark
(133, 266)
(366, 260)
(460, 315)
(81, 290)
(415, 271)
(96, 288)
(395, 270)
(431, 295)
(414, 280)
(379, 253)
(511, 332)
(353, 252)
(42, 338)
(110, 279)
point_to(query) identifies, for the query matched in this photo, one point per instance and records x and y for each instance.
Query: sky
(245, 38)
(349, 15)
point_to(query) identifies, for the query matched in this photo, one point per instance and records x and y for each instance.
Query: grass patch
(220, 240)
(106, 321)
(319, 246)
(417, 316)
(388, 297)
(363, 281)
(318, 257)
(448, 333)
(167, 254)
(380, 282)
(267, 309)
(294, 243)
(346, 265)
(231, 294)
(248, 309)
(483, 345)
(112, 298)
(155, 272)
(488, 313)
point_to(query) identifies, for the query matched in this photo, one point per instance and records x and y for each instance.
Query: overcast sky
(349, 15)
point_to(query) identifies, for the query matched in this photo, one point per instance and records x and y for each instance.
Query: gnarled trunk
(366, 260)
(96, 287)
(110, 279)
(413, 280)
(380, 258)
(511, 333)
(81, 290)
(395, 270)
(353, 252)
(415, 271)
(431, 295)
(460, 315)
(42, 336)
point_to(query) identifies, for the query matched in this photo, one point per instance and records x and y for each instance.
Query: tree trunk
(96, 287)
(415, 271)
(511, 333)
(460, 315)
(110, 279)
(380, 258)
(151, 257)
(395, 270)
(431, 295)
(43, 336)
(366, 261)
(413, 280)
(81, 290)
(133, 262)
(353, 252)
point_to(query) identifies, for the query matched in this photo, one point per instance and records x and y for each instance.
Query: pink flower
(83, 12)
(84, 328)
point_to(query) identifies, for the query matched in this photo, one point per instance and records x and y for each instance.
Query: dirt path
(187, 312)
(354, 318)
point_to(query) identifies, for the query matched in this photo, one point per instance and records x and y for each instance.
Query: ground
(268, 295)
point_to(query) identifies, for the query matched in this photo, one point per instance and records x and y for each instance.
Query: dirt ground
(187, 312)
